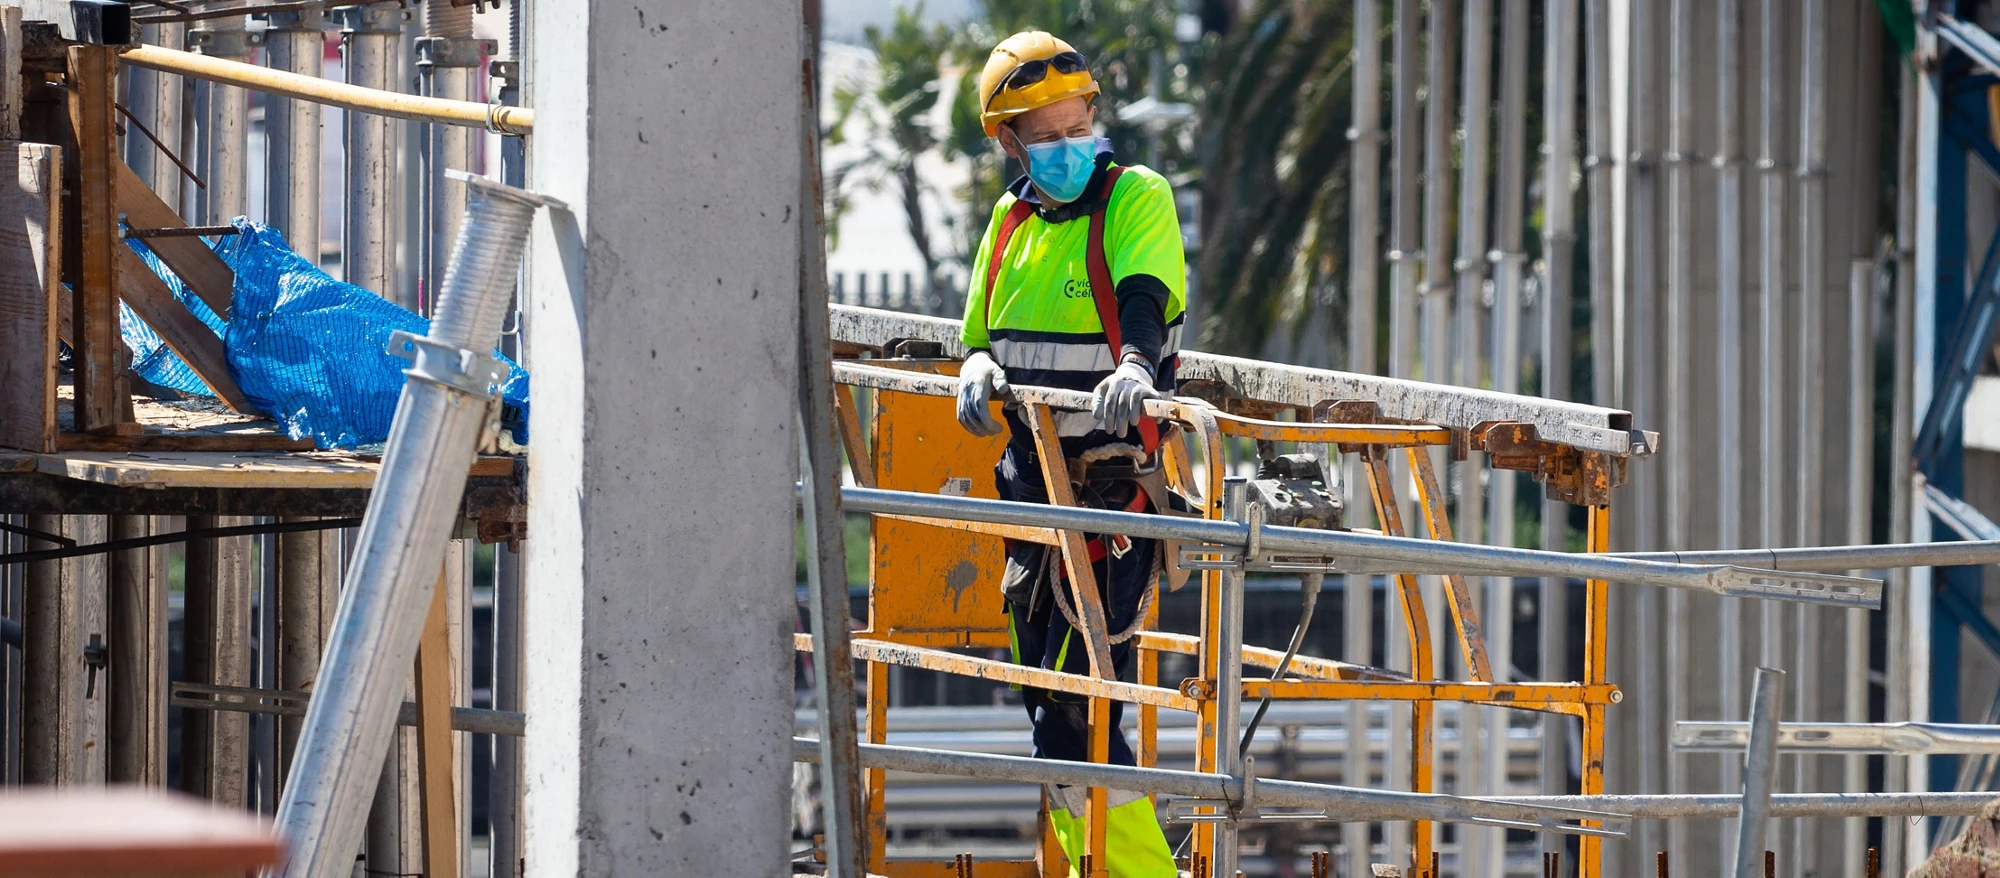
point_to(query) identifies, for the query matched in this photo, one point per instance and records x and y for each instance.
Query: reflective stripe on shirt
(1038, 352)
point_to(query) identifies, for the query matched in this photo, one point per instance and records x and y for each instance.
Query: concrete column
(659, 708)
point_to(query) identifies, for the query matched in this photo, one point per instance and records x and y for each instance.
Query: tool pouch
(1025, 581)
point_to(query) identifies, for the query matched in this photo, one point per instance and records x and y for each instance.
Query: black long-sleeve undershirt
(1142, 317)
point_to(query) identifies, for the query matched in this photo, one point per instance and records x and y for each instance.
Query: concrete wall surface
(664, 315)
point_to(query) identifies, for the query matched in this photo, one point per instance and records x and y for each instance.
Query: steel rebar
(403, 537)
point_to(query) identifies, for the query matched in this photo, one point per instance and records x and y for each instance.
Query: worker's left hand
(1120, 400)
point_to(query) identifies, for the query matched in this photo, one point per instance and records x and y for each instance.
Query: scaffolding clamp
(454, 368)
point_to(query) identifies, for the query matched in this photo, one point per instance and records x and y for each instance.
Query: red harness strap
(1103, 292)
(1120, 543)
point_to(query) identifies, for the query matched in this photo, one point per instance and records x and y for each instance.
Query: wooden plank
(11, 97)
(93, 82)
(30, 292)
(197, 345)
(205, 274)
(223, 469)
(435, 763)
(244, 440)
(129, 832)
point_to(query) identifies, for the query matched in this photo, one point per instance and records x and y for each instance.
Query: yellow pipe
(504, 119)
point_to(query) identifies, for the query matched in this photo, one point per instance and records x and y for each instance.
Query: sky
(842, 20)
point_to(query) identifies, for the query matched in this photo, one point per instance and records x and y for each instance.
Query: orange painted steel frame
(918, 446)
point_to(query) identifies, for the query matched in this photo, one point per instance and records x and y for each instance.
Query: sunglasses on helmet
(1035, 71)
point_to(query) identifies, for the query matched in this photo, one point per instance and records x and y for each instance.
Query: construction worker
(1079, 284)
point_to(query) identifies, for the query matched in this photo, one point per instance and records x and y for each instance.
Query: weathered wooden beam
(435, 762)
(30, 291)
(197, 345)
(93, 83)
(205, 274)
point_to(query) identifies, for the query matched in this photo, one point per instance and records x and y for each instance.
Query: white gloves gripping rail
(1118, 403)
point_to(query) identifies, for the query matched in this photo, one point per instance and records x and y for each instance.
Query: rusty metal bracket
(1584, 478)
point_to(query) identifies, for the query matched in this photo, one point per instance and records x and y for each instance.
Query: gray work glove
(978, 380)
(1120, 400)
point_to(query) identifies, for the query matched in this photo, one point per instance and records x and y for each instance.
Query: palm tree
(1273, 154)
(897, 107)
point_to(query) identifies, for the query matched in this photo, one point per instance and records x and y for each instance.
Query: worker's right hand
(978, 380)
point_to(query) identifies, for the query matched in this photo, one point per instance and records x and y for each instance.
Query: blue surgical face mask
(1062, 168)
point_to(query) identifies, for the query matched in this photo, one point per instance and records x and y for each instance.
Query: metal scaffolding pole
(1440, 105)
(1677, 474)
(1377, 553)
(448, 59)
(1771, 408)
(1236, 791)
(1365, 188)
(444, 407)
(1558, 243)
(1403, 229)
(1813, 402)
(503, 808)
(1483, 848)
(371, 37)
(1509, 215)
(155, 100)
(1601, 167)
(1363, 285)
(1227, 756)
(226, 122)
(1902, 435)
(295, 43)
(1638, 375)
(1860, 491)
(1407, 151)
(1760, 772)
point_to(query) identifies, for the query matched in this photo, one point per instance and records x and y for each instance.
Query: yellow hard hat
(1028, 70)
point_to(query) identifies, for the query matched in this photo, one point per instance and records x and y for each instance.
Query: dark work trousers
(1043, 638)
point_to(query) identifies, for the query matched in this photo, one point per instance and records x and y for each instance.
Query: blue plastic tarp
(307, 349)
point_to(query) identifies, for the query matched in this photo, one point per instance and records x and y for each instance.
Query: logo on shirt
(1076, 289)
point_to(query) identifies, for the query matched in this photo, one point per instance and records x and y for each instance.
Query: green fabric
(1044, 278)
(1013, 644)
(1899, 19)
(1133, 843)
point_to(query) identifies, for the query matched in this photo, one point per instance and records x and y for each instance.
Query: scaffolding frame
(1200, 430)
